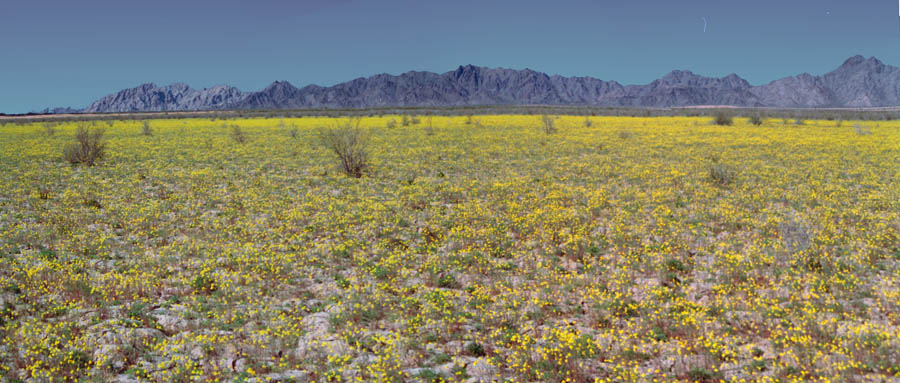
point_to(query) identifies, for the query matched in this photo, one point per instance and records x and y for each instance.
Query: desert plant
(392, 124)
(756, 120)
(722, 174)
(88, 148)
(49, 129)
(794, 233)
(548, 124)
(405, 120)
(723, 119)
(350, 144)
(588, 122)
(799, 121)
(294, 133)
(469, 119)
(238, 135)
(415, 120)
(861, 130)
(429, 130)
(146, 129)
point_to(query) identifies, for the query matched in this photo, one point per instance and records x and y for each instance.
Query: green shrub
(475, 349)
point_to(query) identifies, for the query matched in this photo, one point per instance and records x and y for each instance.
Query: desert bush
(548, 124)
(238, 135)
(146, 129)
(625, 134)
(405, 120)
(588, 122)
(861, 130)
(88, 147)
(294, 133)
(723, 119)
(469, 119)
(350, 144)
(429, 130)
(415, 120)
(49, 129)
(799, 121)
(721, 174)
(392, 124)
(794, 233)
(756, 120)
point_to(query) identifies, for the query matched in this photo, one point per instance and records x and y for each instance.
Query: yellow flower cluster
(474, 248)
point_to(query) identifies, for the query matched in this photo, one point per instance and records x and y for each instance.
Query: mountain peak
(859, 60)
(858, 82)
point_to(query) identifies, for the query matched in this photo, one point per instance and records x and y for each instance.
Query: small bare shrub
(588, 122)
(146, 129)
(49, 129)
(350, 144)
(405, 120)
(88, 148)
(756, 120)
(469, 119)
(548, 124)
(625, 134)
(392, 124)
(415, 120)
(238, 135)
(794, 234)
(294, 133)
(723, 119)
(799, 121)
(721, 174)
(861, 130)
(429, 130)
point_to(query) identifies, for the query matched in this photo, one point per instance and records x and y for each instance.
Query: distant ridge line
(857, 83)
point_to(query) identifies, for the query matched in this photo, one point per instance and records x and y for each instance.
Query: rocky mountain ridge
(858, 82)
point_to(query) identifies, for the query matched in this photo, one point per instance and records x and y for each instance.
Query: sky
(70, 53)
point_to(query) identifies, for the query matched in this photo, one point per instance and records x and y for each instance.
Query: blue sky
(69, 53)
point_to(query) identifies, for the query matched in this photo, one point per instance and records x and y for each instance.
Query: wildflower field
(483, 248)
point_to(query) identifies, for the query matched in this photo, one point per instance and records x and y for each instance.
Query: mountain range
(858, 83)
